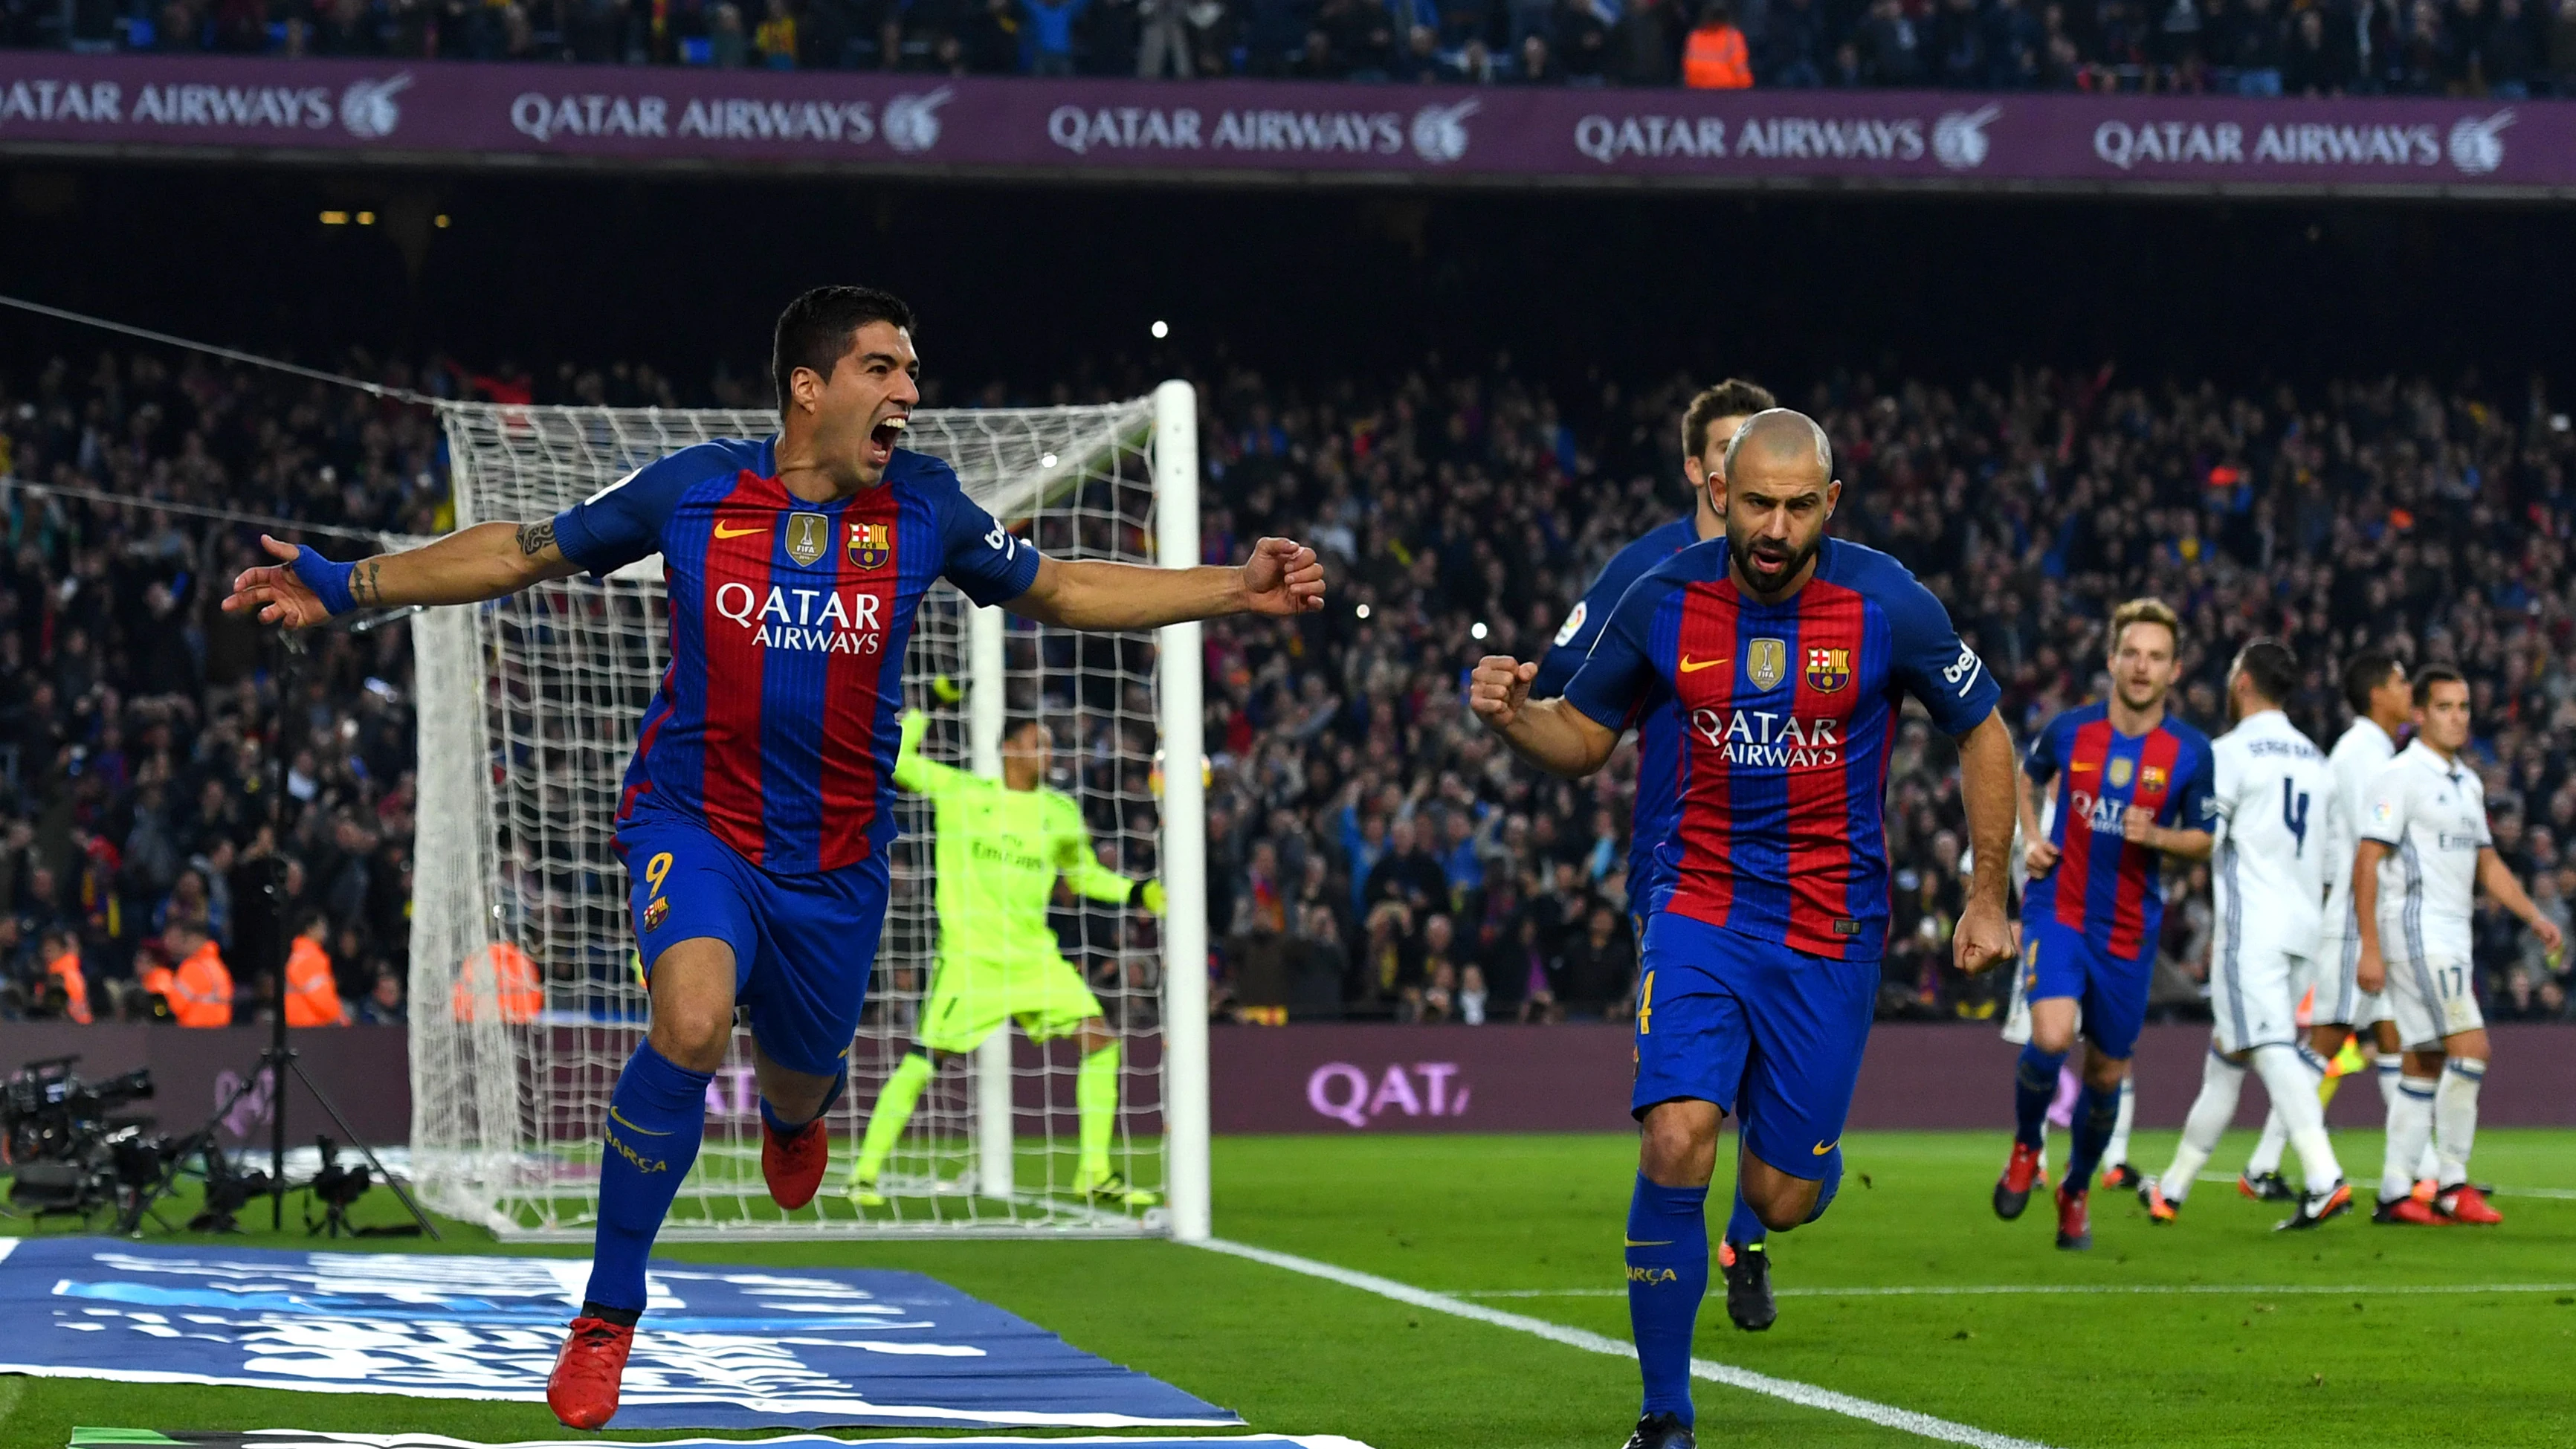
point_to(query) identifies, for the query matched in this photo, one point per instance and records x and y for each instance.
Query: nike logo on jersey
(1694, 666)
(1821, 1148)
(2082, 765)
(724, 532)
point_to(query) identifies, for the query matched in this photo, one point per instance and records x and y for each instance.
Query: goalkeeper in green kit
(1001, 844)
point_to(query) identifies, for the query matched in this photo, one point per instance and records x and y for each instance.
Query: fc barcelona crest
(1828, 669)
(2119, 773)
(1766, 663)
(805, 537)
(655, 913)
(2151, 779)
(868, 546)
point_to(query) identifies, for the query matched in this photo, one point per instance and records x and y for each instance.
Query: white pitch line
(2006, 1289)
(1790, 1390)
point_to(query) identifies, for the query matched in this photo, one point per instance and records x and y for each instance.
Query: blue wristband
(329, 581)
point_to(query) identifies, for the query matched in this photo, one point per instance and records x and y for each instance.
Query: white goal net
(526, 991)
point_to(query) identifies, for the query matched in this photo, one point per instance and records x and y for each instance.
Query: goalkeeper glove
(1148, 896)
(329, 581)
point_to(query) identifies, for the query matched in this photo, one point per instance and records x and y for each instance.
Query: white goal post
(525, 992)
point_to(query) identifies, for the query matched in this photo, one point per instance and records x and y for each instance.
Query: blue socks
(2034, 1087)
(2097, 1114)
(655, 1119)
(1667, 1278)
(1742, 1227)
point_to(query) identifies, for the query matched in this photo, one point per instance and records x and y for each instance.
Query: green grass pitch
(2355, 1334)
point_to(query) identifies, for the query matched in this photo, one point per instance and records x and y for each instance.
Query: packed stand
(2508, 49)
(1373, 852)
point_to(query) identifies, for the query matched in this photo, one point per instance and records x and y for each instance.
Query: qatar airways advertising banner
(457, 111)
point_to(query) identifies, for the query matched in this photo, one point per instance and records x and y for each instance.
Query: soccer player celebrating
(2374, 685)
(1001, 846)
(2424, 854)
(754, 816)
(1774, 662)
(2273, 795)
(1708, 425)
(2132, 782)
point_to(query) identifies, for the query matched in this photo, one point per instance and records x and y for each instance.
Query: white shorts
(2430, 1000)
(2254, 993)
(2340, 999)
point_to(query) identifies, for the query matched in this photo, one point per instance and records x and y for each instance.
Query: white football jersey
(2274, 797)
(2432, 814)
(2358, 757)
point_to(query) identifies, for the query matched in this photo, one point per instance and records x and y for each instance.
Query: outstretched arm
(1282, 577)
(486, 561)
(1549, 733)
(916, 771)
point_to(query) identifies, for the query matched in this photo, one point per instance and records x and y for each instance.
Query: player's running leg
(2410, 1127)
(886, 1119)
(2114, 1005)
(795, 1145)
(2222, 1083)
(1095, 1100)
(969, 1001)
(2117, 1174)
(656, 1117)
(1745, 1258)
(2053, 982)
(2455, 1129)
(2291, 1075)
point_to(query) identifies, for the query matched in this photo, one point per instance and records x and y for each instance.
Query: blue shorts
(1771, 1035)
(803, 945)
(2056, 960)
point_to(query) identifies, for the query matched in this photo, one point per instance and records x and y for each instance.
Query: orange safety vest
(1715, 60)
(312, 997)
(201, 992)
(66, 969)
(516, 992)
(158, 981)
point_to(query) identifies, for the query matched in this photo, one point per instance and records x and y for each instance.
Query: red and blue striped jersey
(2103, 885)
(776, 723)
(1772, 723)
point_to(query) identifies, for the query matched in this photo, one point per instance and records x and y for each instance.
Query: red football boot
(2074, 1222)
(793, 1165)
(583, 1388)
(2406, 1211)
(2021, 1173)
(2465, 1204)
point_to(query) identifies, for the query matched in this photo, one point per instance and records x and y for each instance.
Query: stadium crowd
(1373, 853)
(2509, 49)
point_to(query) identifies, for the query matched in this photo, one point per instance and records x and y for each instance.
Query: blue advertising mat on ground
(801, 1348)
(305, 1439)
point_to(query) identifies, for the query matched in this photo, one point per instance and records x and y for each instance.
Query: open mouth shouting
(883, 438)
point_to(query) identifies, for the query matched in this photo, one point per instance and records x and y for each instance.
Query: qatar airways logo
(817, 621)
(1766, 739)
(2099, 815)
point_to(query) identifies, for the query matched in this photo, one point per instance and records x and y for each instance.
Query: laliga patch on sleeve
(1573, 625)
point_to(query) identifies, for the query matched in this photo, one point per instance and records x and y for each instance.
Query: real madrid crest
(2119, 773)
(868, 546)
(805, 537)
(1766, 663)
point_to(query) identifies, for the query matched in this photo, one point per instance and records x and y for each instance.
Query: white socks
(2410, 1126)
(2117, 1150)
(2267, 1152)
(2291, 1074)
(2221, 1083)
(2455, 1119)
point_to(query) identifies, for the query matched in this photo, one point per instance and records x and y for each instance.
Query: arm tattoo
(366, 584)
(536, 538)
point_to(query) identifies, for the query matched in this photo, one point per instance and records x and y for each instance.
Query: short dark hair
(1733, 398)
(2272, 666)
(2433, 674)
(816, 329)
(1012, 725)
(2362, 677)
